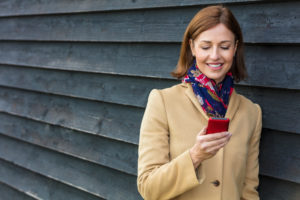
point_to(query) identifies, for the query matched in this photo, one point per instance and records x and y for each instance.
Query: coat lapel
(191, 95)
(232, 107)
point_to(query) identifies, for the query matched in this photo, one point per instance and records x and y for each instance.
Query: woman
(177, 159)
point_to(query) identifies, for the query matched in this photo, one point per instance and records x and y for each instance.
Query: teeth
(211, 65)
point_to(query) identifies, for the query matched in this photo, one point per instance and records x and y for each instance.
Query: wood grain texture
(125, 90)
(36, 186)
(10, 192)
(278, 23)
(144, 60)
(112, 120)
(107, 152)
(276, 189)
(33, 7)
(97, 180)
(109, 120)
(281, 163)
(280, 155)
(75, 77)
(275, 115)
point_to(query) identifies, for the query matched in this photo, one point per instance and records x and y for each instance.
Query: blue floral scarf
(213, 98)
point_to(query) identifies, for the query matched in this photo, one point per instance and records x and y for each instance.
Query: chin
(220, 75)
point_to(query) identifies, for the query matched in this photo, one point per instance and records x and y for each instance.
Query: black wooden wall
(74, 81)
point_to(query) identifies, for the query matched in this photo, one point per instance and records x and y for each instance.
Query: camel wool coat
(172, 119)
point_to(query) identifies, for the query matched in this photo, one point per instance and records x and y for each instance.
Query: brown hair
(205, 19)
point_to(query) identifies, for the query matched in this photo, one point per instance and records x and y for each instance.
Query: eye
(225, 48)
(205, 48)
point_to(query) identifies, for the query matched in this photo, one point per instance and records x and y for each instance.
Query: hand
(206, 146)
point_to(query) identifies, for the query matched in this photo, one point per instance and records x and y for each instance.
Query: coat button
(216, 183)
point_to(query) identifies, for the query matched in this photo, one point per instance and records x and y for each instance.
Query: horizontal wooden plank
(104, 119)
(124, 90)
(276, 114)
(278, 23)
(270, 188)
(267, 65)
(33, 7)
(114, 154)
(37, 186)
(276, 162)
(147, 60)
(110, 120)
(280, 155)
(95, 179)
(275, 189)
(9, 192)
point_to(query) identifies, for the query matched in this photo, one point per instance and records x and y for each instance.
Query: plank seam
(52, 178)
(65, 153)
(69, 128)
(135, 42)
(277, 178)
(87, 72)
(18, 190)
(116, 74)
(292, 43)
(70, 96)
(124, 8)
(267, 175)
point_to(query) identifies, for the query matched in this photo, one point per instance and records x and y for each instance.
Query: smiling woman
(214, 29)
(214, 50)
(177, 159)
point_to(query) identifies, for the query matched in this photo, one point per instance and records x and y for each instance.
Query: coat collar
(233, 106)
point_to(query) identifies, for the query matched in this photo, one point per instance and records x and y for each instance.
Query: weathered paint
(90, 147)
(98, 180)
(261, 23)
(33, 7)
(135, 59)
(31, 185)
(74, 81)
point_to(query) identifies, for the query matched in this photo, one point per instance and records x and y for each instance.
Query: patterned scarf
(213, 98)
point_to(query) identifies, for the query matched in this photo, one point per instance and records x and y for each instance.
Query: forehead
(217, 33)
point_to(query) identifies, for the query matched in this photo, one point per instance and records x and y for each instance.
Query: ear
(192, 46)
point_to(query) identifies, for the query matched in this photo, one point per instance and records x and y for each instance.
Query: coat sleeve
(251, 179)
(158, 176)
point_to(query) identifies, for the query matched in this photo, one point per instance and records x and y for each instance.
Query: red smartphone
(216, 125)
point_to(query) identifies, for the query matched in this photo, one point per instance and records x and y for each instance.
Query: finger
(217, 136)
(215, 143)
(201, 139)
(203, 131)
(215, 149)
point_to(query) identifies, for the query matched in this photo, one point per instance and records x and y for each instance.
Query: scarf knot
(213, 98)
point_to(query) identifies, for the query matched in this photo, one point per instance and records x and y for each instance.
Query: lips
(215, 66)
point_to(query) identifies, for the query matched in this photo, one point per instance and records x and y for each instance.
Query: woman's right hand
(206, 146)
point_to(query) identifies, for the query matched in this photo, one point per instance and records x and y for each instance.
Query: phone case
(216, 125)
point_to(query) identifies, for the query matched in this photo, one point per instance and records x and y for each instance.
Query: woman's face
(214, 50)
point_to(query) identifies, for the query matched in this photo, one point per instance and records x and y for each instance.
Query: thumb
(203, 131)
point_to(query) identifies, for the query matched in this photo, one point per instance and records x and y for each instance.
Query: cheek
(201, 55)
(228, 56)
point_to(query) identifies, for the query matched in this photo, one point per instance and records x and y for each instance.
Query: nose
(214, 54)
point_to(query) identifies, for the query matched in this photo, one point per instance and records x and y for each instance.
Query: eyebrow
(206, 41)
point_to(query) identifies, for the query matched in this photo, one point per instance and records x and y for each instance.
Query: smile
(215, 66)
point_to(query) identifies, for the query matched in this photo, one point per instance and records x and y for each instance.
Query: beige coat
(172, 119)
